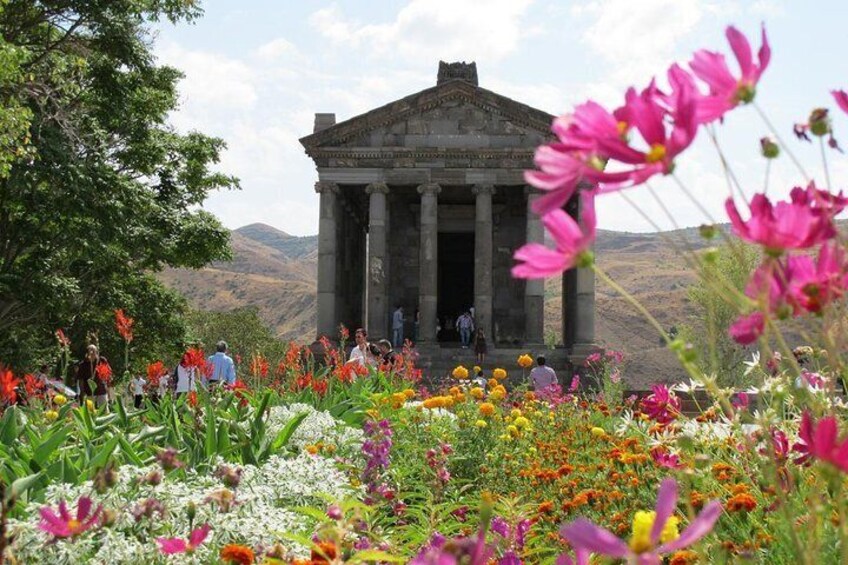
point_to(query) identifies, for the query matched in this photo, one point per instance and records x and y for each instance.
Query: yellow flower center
(656, 154)
(643, 522)
(622, 128)
(75, 526)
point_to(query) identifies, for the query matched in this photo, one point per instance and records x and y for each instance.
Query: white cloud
(277, 49)
(428, 29)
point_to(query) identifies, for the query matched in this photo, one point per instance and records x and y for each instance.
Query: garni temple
(423, 203)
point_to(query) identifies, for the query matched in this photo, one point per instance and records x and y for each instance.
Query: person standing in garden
(542, 376)
(184, 377)
(388, 354)
(223, 368)
(94, 368)
(361, 352)
(137, 385)
(465, 324)
(480, 348)
(397, 327)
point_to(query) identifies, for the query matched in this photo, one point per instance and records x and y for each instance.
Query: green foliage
(242, 329)
(715, 309)
(96, 189)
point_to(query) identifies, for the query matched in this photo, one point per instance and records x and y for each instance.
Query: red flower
(8, 384)
(34, 387)
(194, 359)
(104, 371)
(259, 366)
(662, 406)
(320, 387)
(124, 325)
(239, 388)
(63, 340)
(155, 371)
(192, 399)
(820, 441)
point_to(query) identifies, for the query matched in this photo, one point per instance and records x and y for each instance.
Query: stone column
(578, 295)
(534, 291)
(327, 243)
(428, 285)
(377, 290)
(483, 259)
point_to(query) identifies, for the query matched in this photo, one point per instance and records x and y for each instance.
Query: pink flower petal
(666, 504)
(83, 508)
(198, 535)
(741, 49)
(584, 534)
(170, 546)
(700, 526)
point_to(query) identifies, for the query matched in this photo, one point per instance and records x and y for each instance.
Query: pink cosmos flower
(463, 550)
(767, 285)
(805, 221)
(841, 98)
(820, 441)
(170, 546)
(747, 329)
(62, 525)
(741, 401)
(581, 557)
(814, 284)
(665, 458)
(662, 406)
(572, 243)
(725, 90)
(646, 547)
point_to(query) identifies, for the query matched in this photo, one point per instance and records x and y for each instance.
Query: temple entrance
(456, 281)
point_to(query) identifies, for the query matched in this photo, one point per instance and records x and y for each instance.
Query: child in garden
(480, 346)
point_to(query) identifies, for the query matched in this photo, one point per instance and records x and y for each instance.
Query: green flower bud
(769, 148)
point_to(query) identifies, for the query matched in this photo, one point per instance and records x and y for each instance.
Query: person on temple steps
(397, 327)
(465, 324)
(480, 348)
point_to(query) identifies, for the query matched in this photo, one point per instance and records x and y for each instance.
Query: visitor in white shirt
(185, 377)
(361, 353)
(138, 390)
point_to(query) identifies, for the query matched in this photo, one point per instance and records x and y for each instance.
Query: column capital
(377, 187)
(429, 188)
(483, 189)
(323, 186)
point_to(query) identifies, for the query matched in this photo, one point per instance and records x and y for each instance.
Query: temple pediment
(451, 115)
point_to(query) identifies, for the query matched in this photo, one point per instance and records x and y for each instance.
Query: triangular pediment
(455, 114)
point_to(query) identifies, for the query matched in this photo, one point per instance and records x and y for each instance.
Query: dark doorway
(456, 281)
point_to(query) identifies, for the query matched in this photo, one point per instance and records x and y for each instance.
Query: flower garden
(309, 460)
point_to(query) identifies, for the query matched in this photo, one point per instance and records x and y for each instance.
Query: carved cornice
(322, 187)
(425, 100)
(423, 153)
(377, 187)
(429, 188)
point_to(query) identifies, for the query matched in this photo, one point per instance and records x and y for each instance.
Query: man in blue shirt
(223, 368)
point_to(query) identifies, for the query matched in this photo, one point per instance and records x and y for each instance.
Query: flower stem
(824, 162)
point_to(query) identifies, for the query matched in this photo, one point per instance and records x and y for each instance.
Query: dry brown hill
(276, 272)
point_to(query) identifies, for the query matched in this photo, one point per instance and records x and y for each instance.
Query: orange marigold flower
(487, 409)
(684, 557)
(697, 500)
(739, 488)
(324, 552)
(741, 502)
(235, 554)
(545, 507)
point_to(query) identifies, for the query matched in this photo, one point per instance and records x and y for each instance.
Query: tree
(242, 329)
(96, 189)
(715, 311)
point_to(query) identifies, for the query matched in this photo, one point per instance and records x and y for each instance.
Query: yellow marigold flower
(515, 413)
(643, 522)
(409, 394)
(481, 423)
(492, 383)
(598, 432)
(312, 449)
(477, 369)
(487, 409)
(447, 401)
(60, 400)
(51, 415)
(398, 399)
(454, 390)
(525, 361)
(460, 373)
(530, 396)
(459, 397)
(522, 423)
(513, 430)
(89, 403)
(372, 413)
(433, 402)
(477, 393)
(499, 374)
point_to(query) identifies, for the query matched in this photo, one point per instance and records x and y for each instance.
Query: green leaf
(283, 436)
(130, 452)
(373, 555)
(9, 425)
(102, 456)
(49, 445)
(20, 486)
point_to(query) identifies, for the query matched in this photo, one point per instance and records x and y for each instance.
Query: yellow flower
(643, 522)
(492, 383)
(51, 415)
(530, 396)
(433, 402)
(515, 413)
(477, 393)
(499, 374)
(512, 430)
(454, 390)
(460, 373)
(487, 409)
(499, 393)
(409, 394)
(60, 400)
(89, 403)
(598, 432)
(372, 413)
(312, 449)
(477, 369)
(522, 423)
(398, 399)
(525, 361)
(481, 423)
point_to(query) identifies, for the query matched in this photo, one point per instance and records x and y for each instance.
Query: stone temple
(423, 203)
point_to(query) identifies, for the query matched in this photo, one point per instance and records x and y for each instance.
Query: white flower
(753, 363)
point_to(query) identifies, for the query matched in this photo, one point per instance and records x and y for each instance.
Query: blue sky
(257, 71)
